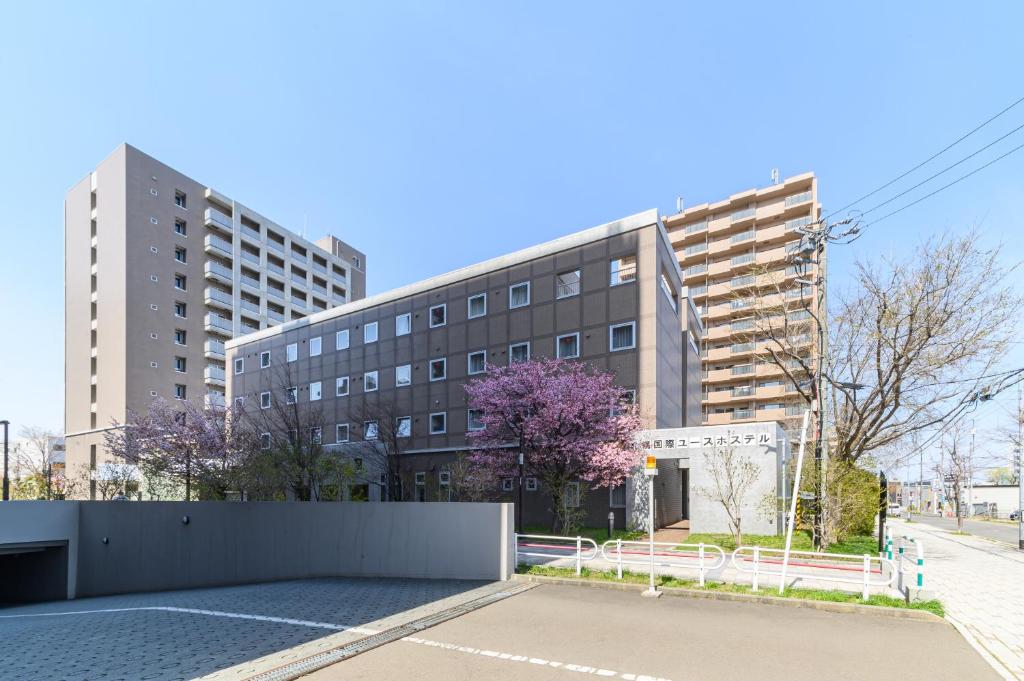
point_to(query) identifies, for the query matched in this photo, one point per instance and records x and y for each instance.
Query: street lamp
(7, 481)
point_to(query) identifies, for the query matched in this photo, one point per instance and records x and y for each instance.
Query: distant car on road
(1015, 515)
(895, 511)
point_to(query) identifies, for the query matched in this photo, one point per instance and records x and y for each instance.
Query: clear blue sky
(401, 127)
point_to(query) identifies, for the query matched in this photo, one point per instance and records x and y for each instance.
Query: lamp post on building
(7, 481)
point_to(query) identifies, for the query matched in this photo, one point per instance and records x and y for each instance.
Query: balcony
(338, 297)
(214, 400)
(798, 199)
(298, 257)
(275, 293)
(298, 302)
(298, 281)
(275, 316)
(250, 306)
(214, 297)
(214, 375)
(217, 246)
(742, 391)
(742, 236)
(317, 267)
(275, 245)
(318, 306)
(214, 323)
(217, 272)
(274, 268)
(217, 220)
(742, 414)
(251, 234)
(742, 370)
(741, 215)
(254, 258)
(320, 289)
(213, 349)
(250, 282)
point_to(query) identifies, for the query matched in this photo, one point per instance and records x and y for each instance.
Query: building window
(477, 305)
(572, 495)
(314, 347)
(438, 369)
(341, 340)
(314, 391)
(179, 282)
(507, 484)
(264, 359)
(474, 419)
(291, 352)
(370, 430)
(180, 200)
(239, 365)
(617, 496)
(179, 391)
(180, 309)
(623, 270)
(403, 426)
(180, 228)
(421, 486)
(264, 440)
(622, 336)
(341, 386)
(239, 401)
(369, 381)
(179, 337)
(180, 254)
(567, 346)
(518, 352)
(403, 324)
(438, 423)
(567, 284)
(438, 315)
(669, 290)
(477, 362)
(179, 364)
(403, 375)
(370, 333)
(316, 435)
(519, 295)
(341, 432)
(264, 400)
(531, 484)
(291, 395)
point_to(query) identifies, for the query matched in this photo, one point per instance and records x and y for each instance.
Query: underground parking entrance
(32, 572)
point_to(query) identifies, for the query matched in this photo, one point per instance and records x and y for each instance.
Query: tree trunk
(188, 477)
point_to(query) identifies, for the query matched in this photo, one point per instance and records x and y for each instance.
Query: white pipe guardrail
(546, 546)
(903, 561)
(758, 561)
(667, 554)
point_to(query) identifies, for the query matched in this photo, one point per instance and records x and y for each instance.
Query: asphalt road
(999, 531)
(557, 632)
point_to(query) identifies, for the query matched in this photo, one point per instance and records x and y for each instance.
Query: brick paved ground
(981, 584)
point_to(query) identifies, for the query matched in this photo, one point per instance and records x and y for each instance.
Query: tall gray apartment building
(609, 296)
(161, 271)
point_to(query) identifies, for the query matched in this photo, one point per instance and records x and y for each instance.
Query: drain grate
(310, 664)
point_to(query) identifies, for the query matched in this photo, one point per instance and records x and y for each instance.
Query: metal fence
(865, 570)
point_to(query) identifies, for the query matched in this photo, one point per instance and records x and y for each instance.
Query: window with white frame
(341, 386)
(403, 375)
(369, 381)
(438, 369)
(180, 309)
(622, 270)
(403, 324)
(314, 391)
(291, 352)
(180, 200)
(179, 282)
(180, 391)
(316, 435)
(341, 340)
(341, 432)
(239, 402)
(265, 400)
(180, 228)
(291, 395)
(518, 352)
(264, 359)
(370, 430)
(617, 496)
(474, 419)
(477, 362)
(314, 346)
(179, 364)
(180, 254)
(264, 440)
(403, 426)
(507, 484)
(571, 496)
(370, 332)
(180, 336)
(519, 295)
(476, 305)
(438, 315)
(239, 365)
(567, 284)
(622, 336)
(438, 423)
(567, 346)
(531, 484)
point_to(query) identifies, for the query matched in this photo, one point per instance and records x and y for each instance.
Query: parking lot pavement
(186, 634)
(557, 632)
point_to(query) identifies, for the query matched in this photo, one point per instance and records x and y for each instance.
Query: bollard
(579, 555)
(757, 562)
(700, 553)
(920, 566)
(618, 551)
(516, 564)
(867, 574)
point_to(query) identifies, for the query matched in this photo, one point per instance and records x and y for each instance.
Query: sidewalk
(980, 584)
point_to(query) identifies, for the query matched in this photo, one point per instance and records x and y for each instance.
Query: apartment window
(438, 315)
(264, 440)
(179, 391)
(403, 426)
(341, 386)
(518, 352)
(531, 484)
(617, 496)
(264, 359)
(421, 486)
(476, 305)
(239, 402)
(438, 369)
(239, 365)
(180, 228)
(291, 352)
(474, 419)
(567, 346)
(571, 496)
(567, 284)
(314, 391)
(341, 340)
(622, 336)
(316, 435)
(507, 485)
(438, 423)
(180, 309)
(179, 337)
(477, 362)
(370, 333)
(291, 395)
(403, 324)
(519, 295)
(180, 200)
(369, 381)
(622, 270)
(179, 282)
(314, 347)
(180, 254)
(370, 430)
(179, 364)
(668, 290)
(341, 432)
(265, 400)
(403, 375)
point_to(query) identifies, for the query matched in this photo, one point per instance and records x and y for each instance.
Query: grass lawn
(857, 545)
(932, 606)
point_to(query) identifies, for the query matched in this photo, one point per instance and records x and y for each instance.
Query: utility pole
(1020, 473)
(970, 474)
(7, 481)
(920, 477)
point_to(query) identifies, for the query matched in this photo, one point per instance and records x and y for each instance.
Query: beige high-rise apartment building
(161, 270)
(737, 257)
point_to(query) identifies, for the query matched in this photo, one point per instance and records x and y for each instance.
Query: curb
(827, 606)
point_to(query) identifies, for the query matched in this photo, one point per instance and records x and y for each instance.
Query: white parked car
(895, 511)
